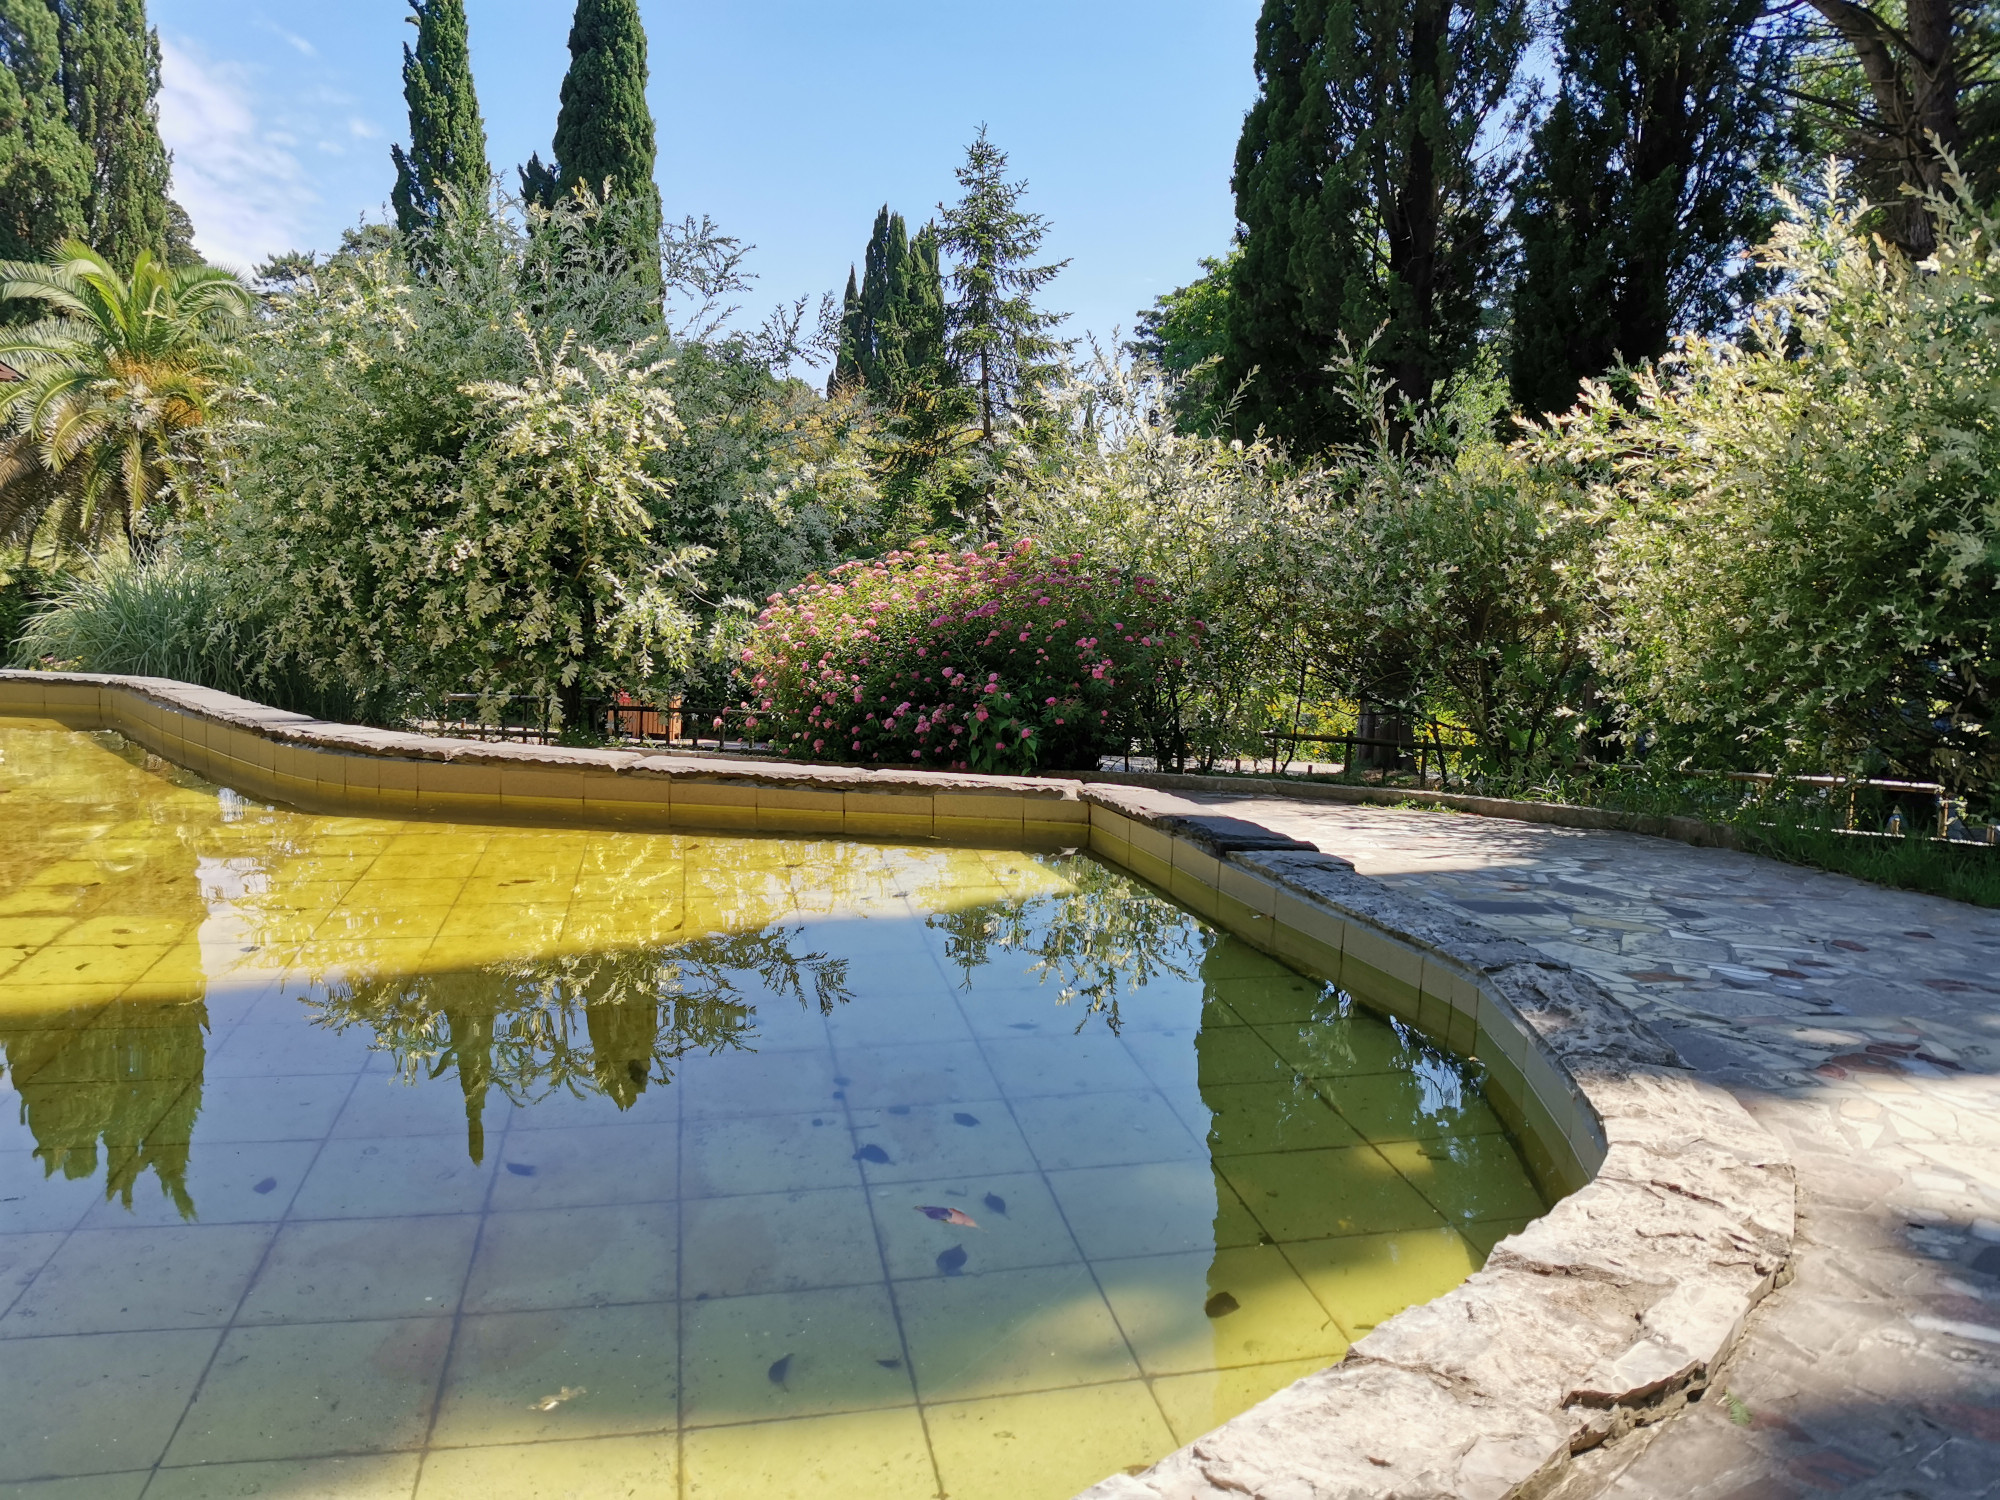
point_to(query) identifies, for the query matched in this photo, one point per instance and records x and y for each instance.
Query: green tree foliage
(111, 86)
(1804, 522)
(1186, 334)
(847, 357)
(1368, 199)
(604, 138)
(447, 155)
(1644, 185)
(109, 423)
(1439, 573)
(45, 170)
(1002, 343)
(892, 329)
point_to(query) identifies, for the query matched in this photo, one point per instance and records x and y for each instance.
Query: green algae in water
(747, 1166)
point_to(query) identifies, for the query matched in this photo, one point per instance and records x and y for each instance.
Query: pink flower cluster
(994, 660)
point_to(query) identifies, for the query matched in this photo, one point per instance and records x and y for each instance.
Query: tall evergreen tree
(881, 266)
(892, 329)
(111, 85)
(910, 339)
(1366, 200)
(847, 360)
(1644, 184)
(447, 138)
(1002, 343)
(604, 132)
(45, 171)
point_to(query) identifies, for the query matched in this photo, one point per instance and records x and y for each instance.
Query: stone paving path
(1862, 1027)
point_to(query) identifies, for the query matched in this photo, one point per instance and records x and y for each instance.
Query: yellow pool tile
(877, 1455)
(1210, 1311)
(1366, 1279)
(1047, 1445)
(1201, 1402)
(636, 1466)
(67, 964)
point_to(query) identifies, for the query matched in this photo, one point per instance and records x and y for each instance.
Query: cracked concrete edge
(1605, 1315)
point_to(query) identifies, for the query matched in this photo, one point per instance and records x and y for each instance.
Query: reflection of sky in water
(889, 1149)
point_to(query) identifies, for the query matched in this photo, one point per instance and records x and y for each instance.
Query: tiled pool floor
(357, 1159)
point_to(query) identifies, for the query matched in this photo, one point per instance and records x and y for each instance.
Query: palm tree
(115, 388)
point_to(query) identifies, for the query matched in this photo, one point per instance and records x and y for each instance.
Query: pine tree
(111, 85)
(1002, 343)
(1366, 200)
(45, 171)
(1644, 183)
(604, 133)
(447, 152)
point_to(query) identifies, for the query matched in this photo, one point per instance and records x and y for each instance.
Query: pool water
(362, 1157)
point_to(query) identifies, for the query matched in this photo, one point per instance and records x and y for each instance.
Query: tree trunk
(1414, 208)
(1913, 78)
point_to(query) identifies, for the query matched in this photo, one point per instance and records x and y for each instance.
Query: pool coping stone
(1606, 1314)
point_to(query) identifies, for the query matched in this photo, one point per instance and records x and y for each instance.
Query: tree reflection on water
(123, 1090)
(582, 1024)
(1099, 940)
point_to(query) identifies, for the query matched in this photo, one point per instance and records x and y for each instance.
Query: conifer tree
(847, 360)
(881, 268)
(1643, 185)
(1001, 342)
(447, 138)
(604, 133)
(111, 84)
(910, 339)
(45, 171)
(1366, 200)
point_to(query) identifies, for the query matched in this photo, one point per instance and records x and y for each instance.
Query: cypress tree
(1365, 200)
(1001, 342)
(1643, 185)
(882, 271)
(604, 132)
(111, 84)
(447, 138)
(910, 339)
(847, 362)
(45, 171)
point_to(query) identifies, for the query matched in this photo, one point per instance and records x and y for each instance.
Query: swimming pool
(381, 1157)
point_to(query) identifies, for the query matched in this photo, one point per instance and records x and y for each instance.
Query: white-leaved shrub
(1802, 562)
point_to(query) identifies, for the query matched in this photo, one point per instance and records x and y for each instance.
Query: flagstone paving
(1862, 1026)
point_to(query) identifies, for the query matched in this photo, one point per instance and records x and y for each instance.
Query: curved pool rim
(1611, 1311)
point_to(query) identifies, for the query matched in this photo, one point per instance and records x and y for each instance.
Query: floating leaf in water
(873, 1153)
(997, 1203)
(963, 1118)
(890, 1364)
(780, 1368)
(1021, 1026)
(952, 1261)
(946, 1215)
(1221, 1305)
(265, 1186)
(899, 1109)
(520, 1169)
(550, 1403)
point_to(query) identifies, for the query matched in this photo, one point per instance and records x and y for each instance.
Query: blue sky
(788, 121)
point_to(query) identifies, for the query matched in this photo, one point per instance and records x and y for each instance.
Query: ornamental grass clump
(988, 660)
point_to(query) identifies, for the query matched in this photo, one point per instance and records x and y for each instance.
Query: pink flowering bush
(990, 661)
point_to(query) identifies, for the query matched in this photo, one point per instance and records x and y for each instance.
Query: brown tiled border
(1608, 1312)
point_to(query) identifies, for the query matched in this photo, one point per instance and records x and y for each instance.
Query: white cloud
(246, 192)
